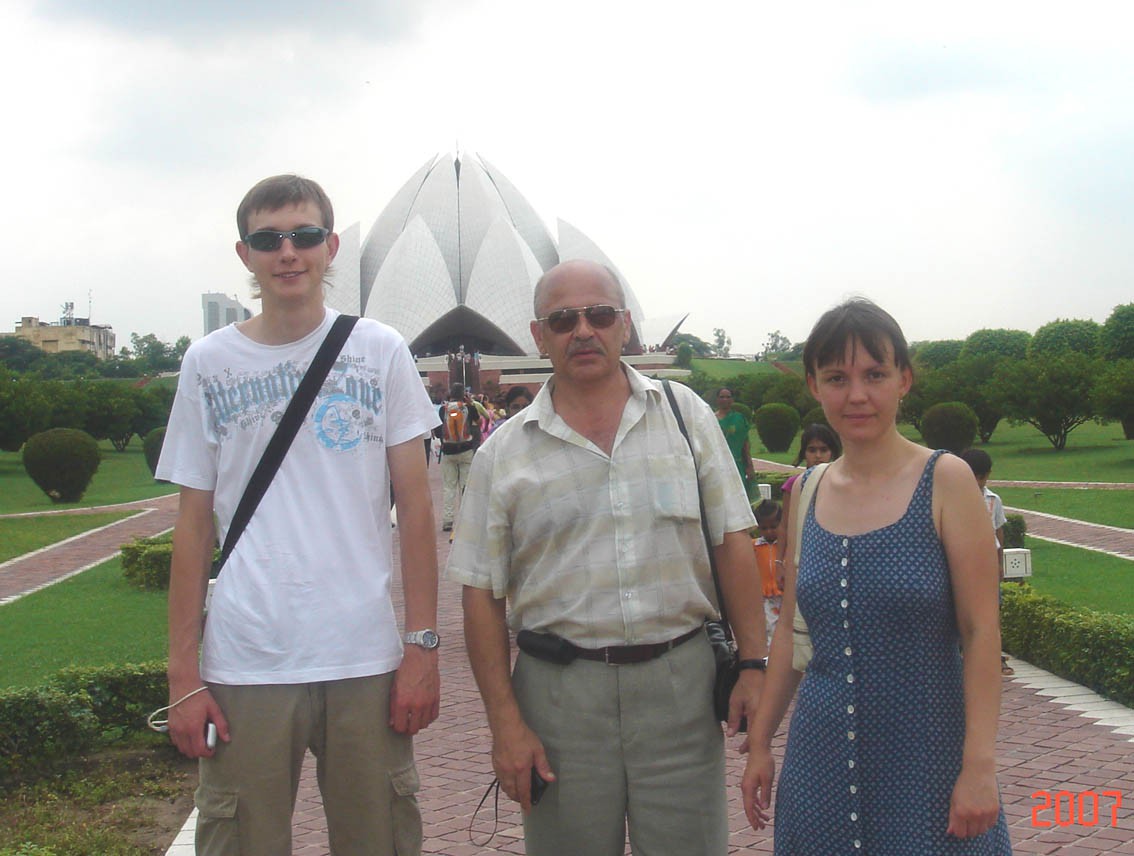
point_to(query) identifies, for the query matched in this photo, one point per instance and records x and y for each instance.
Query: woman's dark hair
(824, 434)
(857, 320)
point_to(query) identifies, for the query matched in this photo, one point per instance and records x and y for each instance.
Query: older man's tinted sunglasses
(303, 238)
(599, 317)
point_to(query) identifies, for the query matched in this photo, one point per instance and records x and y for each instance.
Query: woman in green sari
(736, 428)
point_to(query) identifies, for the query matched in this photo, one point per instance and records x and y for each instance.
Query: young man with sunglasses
(583, 518)
(301, 649)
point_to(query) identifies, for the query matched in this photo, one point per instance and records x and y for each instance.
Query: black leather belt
(625, 655)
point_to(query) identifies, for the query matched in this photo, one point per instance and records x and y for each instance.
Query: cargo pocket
(404, 813)
(217, 829)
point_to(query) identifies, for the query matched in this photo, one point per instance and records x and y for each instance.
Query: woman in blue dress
(891, 744)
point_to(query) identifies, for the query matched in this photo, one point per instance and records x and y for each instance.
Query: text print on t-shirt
(344, 413)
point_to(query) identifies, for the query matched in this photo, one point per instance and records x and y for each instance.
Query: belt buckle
(606, 656)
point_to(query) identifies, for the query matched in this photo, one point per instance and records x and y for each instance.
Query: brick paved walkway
(40, 569)
(1054, 737)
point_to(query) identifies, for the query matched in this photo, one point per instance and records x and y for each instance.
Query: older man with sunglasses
(583, 518)
(301, 649)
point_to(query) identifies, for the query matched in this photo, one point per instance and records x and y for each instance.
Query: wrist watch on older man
(427, 639)
(760, 664)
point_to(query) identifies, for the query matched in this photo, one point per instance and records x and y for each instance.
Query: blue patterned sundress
(875, 743)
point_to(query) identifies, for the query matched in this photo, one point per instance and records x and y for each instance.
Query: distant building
(67, 334)
(220, 310)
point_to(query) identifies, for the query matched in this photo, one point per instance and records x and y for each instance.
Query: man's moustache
(587, 345)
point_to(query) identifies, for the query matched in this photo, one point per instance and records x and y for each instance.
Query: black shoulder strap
(704, 517)
(285, 432)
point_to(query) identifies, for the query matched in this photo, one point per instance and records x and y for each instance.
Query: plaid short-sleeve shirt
(601, 550)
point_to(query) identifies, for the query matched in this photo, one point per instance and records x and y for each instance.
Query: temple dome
(453, 260)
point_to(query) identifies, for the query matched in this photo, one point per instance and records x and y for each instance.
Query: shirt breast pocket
(673, 487)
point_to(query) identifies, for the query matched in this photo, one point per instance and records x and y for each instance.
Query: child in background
(980, 462)
(768, 515)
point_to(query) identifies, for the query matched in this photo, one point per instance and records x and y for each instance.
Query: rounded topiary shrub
(1015, 528)
(151, 447)
(815, 416)
(777, 425)
(62, 461)
(949, 425)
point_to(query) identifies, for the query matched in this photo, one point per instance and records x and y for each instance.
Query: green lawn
(23, 534)
(95, 618)
(732, 368)
(1109, 507)
(1082, 577)
(1019, 452)
(121, 477)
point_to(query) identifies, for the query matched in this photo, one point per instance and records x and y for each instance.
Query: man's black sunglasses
(599, 317)
(303, 238)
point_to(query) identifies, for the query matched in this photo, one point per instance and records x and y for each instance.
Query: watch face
(429, 639)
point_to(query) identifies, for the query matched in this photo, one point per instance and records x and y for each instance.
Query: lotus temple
(451, 263)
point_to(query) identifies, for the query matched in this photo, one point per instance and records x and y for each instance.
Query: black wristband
(759, 665)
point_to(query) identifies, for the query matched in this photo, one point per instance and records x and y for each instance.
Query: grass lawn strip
(22, 536)
(1094, 453)
(1104, 507)
(1082, 578)
(95, 618)
(121, 477)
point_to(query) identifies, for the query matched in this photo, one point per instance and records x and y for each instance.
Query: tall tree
(1117, 336)
(775, 346)
(1052, 395)
(721, 342)
(937, 353)
(998, 343)
(1113, 395)
(1057, 337)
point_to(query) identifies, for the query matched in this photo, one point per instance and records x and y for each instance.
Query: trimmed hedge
(1091, 648)
(776, 480)
(951, 425)
(1015, 528)
(815, 416)
(77, 711)
(62, 462)
(151, 447)
(145, 562)
(777, 424)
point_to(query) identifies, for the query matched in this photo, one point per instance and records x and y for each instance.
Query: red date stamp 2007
(1081, 809)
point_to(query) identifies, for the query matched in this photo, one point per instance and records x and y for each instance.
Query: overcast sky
(966, 165)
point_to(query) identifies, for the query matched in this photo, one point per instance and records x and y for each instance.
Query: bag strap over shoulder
(806, 494)
(704, 518)
(285, 432)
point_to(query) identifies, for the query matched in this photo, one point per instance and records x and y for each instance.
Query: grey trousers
(365, 770)
(633, 746)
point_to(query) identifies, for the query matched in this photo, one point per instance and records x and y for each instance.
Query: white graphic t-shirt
(305, 595)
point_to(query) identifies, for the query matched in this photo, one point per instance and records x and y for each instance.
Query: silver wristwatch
(427, 639)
